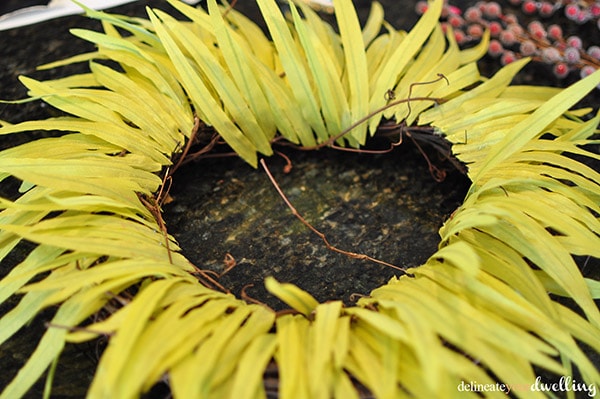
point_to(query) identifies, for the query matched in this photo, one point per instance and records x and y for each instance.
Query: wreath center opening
(227, 215)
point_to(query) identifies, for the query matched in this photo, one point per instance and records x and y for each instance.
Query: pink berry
(529, 7)
(475, 31)
(507, 37)
(583, 17)
(540, 34)
(510, 19)
(453, 9)
(594, 52)
(472, 14)
(495, 28)
(536, 29)
(495, 48)
(460, 36)
(546, 9)
(421, 7)
(560, 46)
(516, 29)
(561, 70)
(555, 32)
(571, 55)
(571, 11)
(574, 41)
(534, 25)
(455, 21)
(445, 11)
(508, 57)
(527, 48)
(595, 10)
(586, 71)
(492, 10)
(550, 55)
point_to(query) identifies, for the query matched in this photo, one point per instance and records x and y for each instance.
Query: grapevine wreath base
(478, 310)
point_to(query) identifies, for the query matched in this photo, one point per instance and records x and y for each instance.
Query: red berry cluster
(543, 42)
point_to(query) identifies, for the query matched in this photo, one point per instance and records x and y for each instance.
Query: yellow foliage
(478, 310)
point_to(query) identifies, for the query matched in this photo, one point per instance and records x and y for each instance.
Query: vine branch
(333, 248)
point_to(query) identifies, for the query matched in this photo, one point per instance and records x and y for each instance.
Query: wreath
(480, 309)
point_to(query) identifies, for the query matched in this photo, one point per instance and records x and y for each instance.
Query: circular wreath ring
(478, 311)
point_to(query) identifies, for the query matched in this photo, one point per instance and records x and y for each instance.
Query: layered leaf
(478, 310)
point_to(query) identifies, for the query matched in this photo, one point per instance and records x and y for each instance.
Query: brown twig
(317, 232)
(438, 174)
(249, 299)
(364, 119)
(163, 194)
(210, 282)
(154, 207)
(410, 88)
(229, 262)
(78, 329)
(389, 95)
(229, 8)
(154, 204)
(202, 153)
(288, 162)
(185, 151)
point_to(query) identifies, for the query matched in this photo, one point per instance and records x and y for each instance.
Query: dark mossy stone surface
(385, 206)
